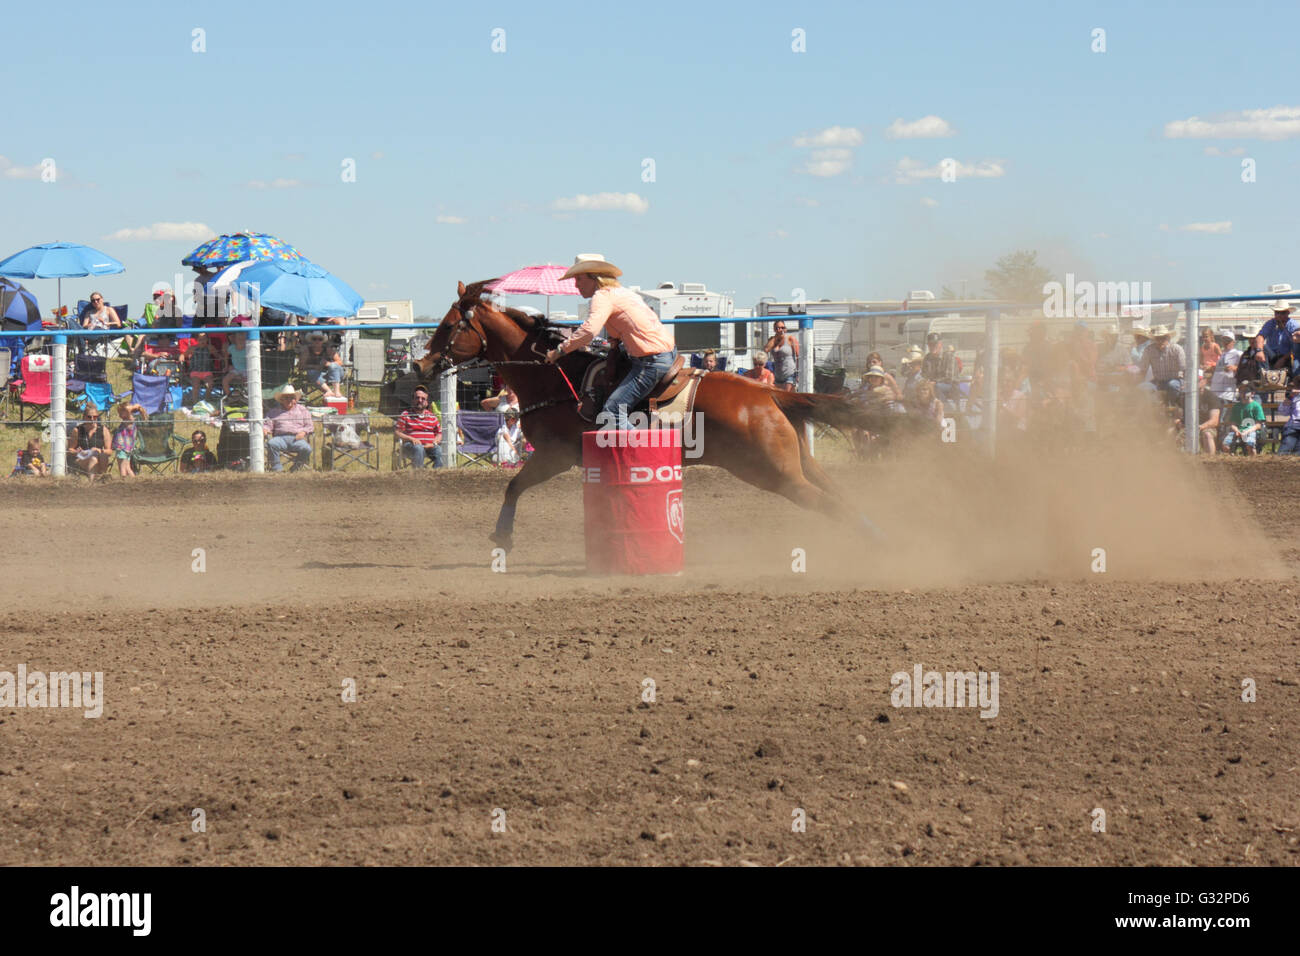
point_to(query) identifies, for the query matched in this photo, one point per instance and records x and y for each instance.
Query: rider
(629, 321)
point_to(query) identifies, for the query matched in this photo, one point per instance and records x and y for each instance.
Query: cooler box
(340, 405)
(632, 498)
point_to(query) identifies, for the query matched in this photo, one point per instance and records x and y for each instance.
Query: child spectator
(926, 404)
(1245, 424)
(30, 460)
(510, 440)
(1210, 350)
(236, 361)
(199, 359)
(124, 438)
(198, 457)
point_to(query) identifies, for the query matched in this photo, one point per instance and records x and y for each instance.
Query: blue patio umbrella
(20, 312)
(59, 260)
(301, 287)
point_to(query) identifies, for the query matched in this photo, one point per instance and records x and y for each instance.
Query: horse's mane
(474, 293)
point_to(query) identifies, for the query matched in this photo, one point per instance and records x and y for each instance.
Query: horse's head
(460, 336)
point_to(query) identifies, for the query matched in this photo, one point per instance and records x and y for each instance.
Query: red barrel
(632, 496)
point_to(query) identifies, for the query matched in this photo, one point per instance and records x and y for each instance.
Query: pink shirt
(625, 316)
(289, 421)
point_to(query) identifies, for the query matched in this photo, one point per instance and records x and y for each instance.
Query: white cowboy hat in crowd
(1161, 332)
(288, 390)
(1282, 305)
(594, 264)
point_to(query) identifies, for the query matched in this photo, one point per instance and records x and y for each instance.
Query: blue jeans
(640, 382)
(332, 373)
(416, 452)
(280, 444)
(1290, 440)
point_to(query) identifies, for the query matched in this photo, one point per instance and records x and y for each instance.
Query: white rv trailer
(691, 300)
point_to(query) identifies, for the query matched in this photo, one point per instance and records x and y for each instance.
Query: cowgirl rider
(626, 320)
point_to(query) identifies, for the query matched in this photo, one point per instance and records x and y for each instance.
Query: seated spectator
(320, 360)
(874, 360)
(1276, 333)
(1210, 351)
(940, 366)
(759, 371)
(875, 387)
(1290, 444)
(709, 361)
(420, 431)
(926, 404)
(1166, 361)
(1245, 423)
(911, 372)
(90, 449)
(287, 426)
(99, 315)
(1254, 360)
(1209, 410)
(1223, 377)
(1295, 355)
(30, 461)
(1141, 338)
(510, 441)
(198, 359)
(198, 457)
(236, 361)
(501, 402)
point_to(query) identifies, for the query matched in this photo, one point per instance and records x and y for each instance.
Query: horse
(754, 431)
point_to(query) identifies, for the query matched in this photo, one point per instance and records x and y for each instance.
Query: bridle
(466, 324)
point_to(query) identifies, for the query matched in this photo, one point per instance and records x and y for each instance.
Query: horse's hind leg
(545, 464)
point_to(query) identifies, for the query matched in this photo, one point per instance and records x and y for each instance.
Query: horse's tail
(876, 417)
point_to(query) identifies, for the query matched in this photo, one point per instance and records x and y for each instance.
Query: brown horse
(753, 431)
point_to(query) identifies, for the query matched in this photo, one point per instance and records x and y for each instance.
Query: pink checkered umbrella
(536, 280)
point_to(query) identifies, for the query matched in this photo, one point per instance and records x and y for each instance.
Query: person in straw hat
(629, 323)
(1277, 335)
(1166, 361)
(286, 428)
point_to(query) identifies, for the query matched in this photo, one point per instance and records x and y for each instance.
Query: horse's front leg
(554, 459)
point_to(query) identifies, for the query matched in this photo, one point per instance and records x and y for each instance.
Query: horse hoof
(506, 541)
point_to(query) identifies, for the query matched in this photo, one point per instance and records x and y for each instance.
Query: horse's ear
(460, 290)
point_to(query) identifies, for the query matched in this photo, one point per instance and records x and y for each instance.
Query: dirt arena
(522, 692)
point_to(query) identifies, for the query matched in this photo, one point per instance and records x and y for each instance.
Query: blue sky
(773, 169)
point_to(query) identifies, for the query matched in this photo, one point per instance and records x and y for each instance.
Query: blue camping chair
(150, 392)
(478, 431)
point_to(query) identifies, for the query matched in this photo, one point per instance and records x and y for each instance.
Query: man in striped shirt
(420, 431)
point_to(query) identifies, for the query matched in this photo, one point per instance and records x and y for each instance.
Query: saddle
(603, 374)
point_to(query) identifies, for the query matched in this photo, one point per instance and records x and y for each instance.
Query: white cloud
(808, 201)
(830, 137)
(167, 231)
(1235, 151)
(1100, 235)
(451, 220)
(1212, 228)
(11, 171)
(778, 234)
(927, 201)
(927, 127)
(911, 170)
(628, 202)
(828, 162)
(1277, 122)
(273, 184)
(377, 154)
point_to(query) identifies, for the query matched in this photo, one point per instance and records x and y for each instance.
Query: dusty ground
(522, 691)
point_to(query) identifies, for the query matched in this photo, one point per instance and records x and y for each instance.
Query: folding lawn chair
(34, 386)
(277, 370)
(156, 444)
(150, 392)
(369, 365)
(349, 438)
(479, 433)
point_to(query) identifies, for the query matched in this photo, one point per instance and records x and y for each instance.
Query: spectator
(939, 366)
(124, 438)
(236, 361)
(709, 361)
(501, 402)
(319, 359)
(1253, 362)
(874, 360)
(784, 352)
(198, 457)
(1166, 361)
(287, 427)
(510, 440)
(99, 315)
(1277, 335)
(1245, 423)
(1223, 378)
(1295, 355)
(1210, 412)
(1210, 351)
(1290, 444)
(198, 358)
(1141, 338)
(759, 371)
(420, 431)
(878, 385)
(30, 461)
(90, 444)
(911, 372)
(926, 404)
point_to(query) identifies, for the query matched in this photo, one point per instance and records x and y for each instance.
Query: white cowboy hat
(1142, 331)
(1282, 305)
(288, 390)
(1160, 332)
(876, 370)
(591, 263)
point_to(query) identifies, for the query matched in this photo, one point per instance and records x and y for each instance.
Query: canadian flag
(39, 363)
